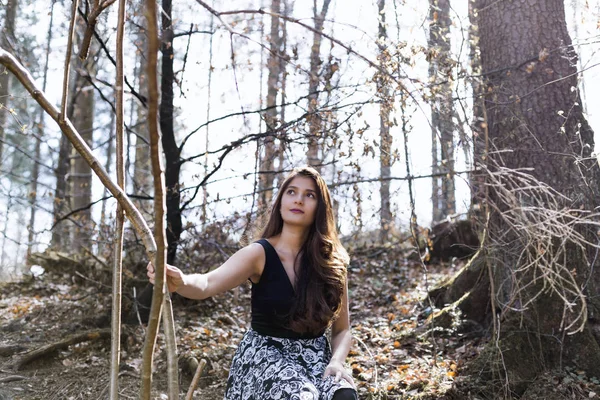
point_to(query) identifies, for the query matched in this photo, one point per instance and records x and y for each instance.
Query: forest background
(415, 113)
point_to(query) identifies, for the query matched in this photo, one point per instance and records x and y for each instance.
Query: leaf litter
(394, 355)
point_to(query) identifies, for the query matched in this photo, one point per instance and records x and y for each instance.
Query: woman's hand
(175, 277)
(337, 371)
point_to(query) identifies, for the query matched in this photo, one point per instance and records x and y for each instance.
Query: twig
(12, 378)
(195, 380)
(79, 274)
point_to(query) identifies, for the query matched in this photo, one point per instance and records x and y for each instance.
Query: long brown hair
(321, 270)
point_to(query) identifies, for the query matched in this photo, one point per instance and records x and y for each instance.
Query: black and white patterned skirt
(266, 367)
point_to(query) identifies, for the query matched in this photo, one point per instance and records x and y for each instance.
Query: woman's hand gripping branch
(175, 277)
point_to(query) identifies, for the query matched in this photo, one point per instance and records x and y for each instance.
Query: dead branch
(195, 380)
(12, 378)
(543, 233)
(143, 100)
(63, 344)
(82, 148)
(63, 107)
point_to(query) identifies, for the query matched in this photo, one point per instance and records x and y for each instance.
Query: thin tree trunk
(160, 293)
(109, 154)
(117, 292)
(61, 198)
(7, 40)
(442, 138)
(385, 139)
(142, 175)
(9, 207)
(60, 235)
(208, 103)
(283, 72)
(169, 143)
(266, 178)
(478, 125)
(38, 146)
(314, 120)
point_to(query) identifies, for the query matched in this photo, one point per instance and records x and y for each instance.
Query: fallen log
(9, 350)
(52, 347)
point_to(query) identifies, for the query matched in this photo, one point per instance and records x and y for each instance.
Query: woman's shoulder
(254, 248)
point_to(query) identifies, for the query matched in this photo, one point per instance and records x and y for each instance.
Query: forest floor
(395, 354)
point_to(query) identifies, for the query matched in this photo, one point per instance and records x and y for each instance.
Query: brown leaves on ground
(394, 354)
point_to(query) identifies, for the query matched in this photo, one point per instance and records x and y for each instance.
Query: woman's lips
(296, 211)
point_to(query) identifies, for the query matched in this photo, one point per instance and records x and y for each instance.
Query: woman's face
(299, 202)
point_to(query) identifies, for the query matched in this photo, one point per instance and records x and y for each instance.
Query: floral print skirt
(266, 367)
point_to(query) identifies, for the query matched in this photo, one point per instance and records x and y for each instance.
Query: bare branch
(91, 20)
(79, 144)
(63, 112)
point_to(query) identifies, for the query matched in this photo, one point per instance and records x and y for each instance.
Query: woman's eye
(311, 195)
(290, 191)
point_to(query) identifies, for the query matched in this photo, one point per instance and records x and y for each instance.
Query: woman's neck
(291, 239)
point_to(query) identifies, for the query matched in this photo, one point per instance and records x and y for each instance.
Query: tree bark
(535, 121)
(442, 138)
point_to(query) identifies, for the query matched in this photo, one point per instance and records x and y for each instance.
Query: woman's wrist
(183, 284)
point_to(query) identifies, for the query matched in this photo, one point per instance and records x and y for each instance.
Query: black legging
(345, 394)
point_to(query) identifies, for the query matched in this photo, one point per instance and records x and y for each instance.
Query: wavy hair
(321, 269)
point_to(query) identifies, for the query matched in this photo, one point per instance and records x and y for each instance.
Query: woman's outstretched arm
(247, 263)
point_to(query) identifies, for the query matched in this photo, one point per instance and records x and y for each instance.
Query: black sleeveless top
(273, 297)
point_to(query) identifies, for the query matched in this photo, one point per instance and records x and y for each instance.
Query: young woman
(299, 289)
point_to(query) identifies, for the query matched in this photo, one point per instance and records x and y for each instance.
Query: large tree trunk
(385, 139)
(314, 120)
(535, 121)
(442, 138)
(7, 41)
(268, 155)
(169, 143)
